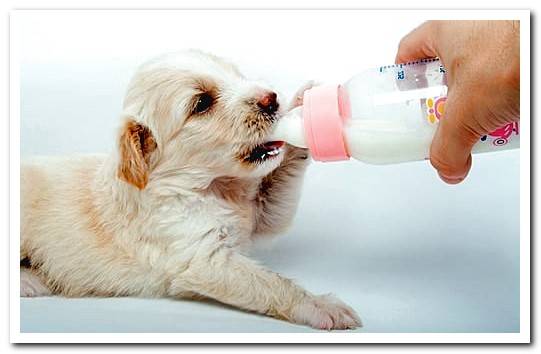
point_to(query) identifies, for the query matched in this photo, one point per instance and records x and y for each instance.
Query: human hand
(482, 61)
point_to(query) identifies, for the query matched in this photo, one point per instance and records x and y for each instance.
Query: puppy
(194, 180)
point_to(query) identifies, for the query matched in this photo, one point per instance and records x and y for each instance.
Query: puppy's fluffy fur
(169, 213)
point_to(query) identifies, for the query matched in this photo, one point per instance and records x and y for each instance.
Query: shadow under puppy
(193, 182)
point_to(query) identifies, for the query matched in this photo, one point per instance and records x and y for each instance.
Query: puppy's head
(192, 110)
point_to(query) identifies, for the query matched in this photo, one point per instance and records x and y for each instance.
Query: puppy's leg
(221, 273)
(279, 192)
(32, 285)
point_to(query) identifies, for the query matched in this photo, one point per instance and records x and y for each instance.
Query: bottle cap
(325, 110)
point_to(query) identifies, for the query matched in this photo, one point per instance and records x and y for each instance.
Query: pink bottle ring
(325, 111)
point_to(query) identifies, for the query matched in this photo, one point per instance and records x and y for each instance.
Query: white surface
(408, 252)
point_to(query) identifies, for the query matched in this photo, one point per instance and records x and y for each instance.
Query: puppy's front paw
(295, 153)
(299, 95)
(325, 312)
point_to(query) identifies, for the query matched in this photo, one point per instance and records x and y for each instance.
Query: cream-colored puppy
(193, 181)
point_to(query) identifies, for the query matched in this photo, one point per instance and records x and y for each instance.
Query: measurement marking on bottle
(410, 63)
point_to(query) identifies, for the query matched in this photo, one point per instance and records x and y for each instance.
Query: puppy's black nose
(268, 103)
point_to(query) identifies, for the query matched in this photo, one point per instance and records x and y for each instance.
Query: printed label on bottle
(503, 135)
(435, 108)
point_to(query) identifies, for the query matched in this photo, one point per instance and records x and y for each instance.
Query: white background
(406, 251)
(75, 66)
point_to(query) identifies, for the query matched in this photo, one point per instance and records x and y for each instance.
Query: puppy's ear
(136, 144)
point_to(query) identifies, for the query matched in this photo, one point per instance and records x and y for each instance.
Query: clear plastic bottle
(381, 116)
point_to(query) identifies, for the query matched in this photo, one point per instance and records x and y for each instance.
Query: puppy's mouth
(265, 151)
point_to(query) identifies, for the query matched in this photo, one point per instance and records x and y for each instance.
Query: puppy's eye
(204, 102)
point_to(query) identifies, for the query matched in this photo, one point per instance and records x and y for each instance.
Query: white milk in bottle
(381, 116)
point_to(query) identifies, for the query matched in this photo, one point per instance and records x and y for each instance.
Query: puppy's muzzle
(268, 103)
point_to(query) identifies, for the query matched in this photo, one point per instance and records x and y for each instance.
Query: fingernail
(451, 180)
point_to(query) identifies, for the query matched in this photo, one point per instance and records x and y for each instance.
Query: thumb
(418, 44)
(450, 152)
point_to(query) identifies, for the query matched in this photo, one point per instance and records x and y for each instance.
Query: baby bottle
(381, 116)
